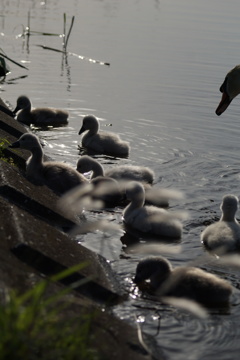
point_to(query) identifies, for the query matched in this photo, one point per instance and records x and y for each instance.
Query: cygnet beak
(81, 130)
(15, 145)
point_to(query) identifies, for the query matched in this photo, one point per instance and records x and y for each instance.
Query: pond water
(167, 61)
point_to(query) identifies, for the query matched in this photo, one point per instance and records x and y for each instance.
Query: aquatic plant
(4, 68)
(66, 37)
(65, 43)
(27, 31)
(81, 57)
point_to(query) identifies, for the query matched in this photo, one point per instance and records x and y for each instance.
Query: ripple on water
(179, 333)
(211, 333)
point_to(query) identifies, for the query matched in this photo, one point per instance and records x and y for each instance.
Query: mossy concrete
(35, 244)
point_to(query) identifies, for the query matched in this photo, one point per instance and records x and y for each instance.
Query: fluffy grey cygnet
(149, 219)
(56, 175)
(102, 142)
(118, 172)
(39, 116)
(107, 190)
(224, 235)
(185, 282)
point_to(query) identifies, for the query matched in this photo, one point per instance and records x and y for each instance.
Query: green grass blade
(65, 273)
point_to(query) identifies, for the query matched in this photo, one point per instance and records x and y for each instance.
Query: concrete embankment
(35, 244)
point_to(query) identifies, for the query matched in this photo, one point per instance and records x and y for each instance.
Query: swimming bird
(39, 116)
(125, 173)
(224, 235)
(104, 192)
(56, 175)
(105, 188)
(120, 172)
(185, 282)
(230, 88)
(102, 142)
(149, 219)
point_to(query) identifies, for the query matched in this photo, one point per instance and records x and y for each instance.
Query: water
(167, 61)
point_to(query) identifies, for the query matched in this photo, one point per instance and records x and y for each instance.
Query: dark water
(168, 59)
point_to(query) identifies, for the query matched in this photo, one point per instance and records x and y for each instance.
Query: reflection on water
(167, 61)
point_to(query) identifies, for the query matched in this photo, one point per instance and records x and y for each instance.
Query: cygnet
(39, 116)
(119, 172)
(56, 175)
(185, 282)
(224, 235)
(102, 142)
(149, 219)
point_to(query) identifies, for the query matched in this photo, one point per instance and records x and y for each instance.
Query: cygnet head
(27, 142)
(90, 122)
(151, 267)
(229, 207)
(84, 164)
(22, 102)
(134, 191)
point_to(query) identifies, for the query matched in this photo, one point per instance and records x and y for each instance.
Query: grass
(37, 326)
(3, 144)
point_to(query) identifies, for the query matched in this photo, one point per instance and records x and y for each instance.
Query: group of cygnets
(133, 183)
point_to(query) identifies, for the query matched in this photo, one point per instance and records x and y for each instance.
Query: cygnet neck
(27, 106)
(137, 202)
(229, 209)
(229, 216)
(138, 199)
(37, 154)
(97, 169)
(94, 127)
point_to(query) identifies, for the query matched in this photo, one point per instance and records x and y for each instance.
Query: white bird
(102, 142)
(39, 116)
(56, 175)
(230, 88)
(185, 282)
(119, 172)
(224, 235)
(149, 219)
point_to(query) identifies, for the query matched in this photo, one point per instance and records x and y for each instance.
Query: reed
(69, 31)
(4, 67)
(81, 57)
(66, 37)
